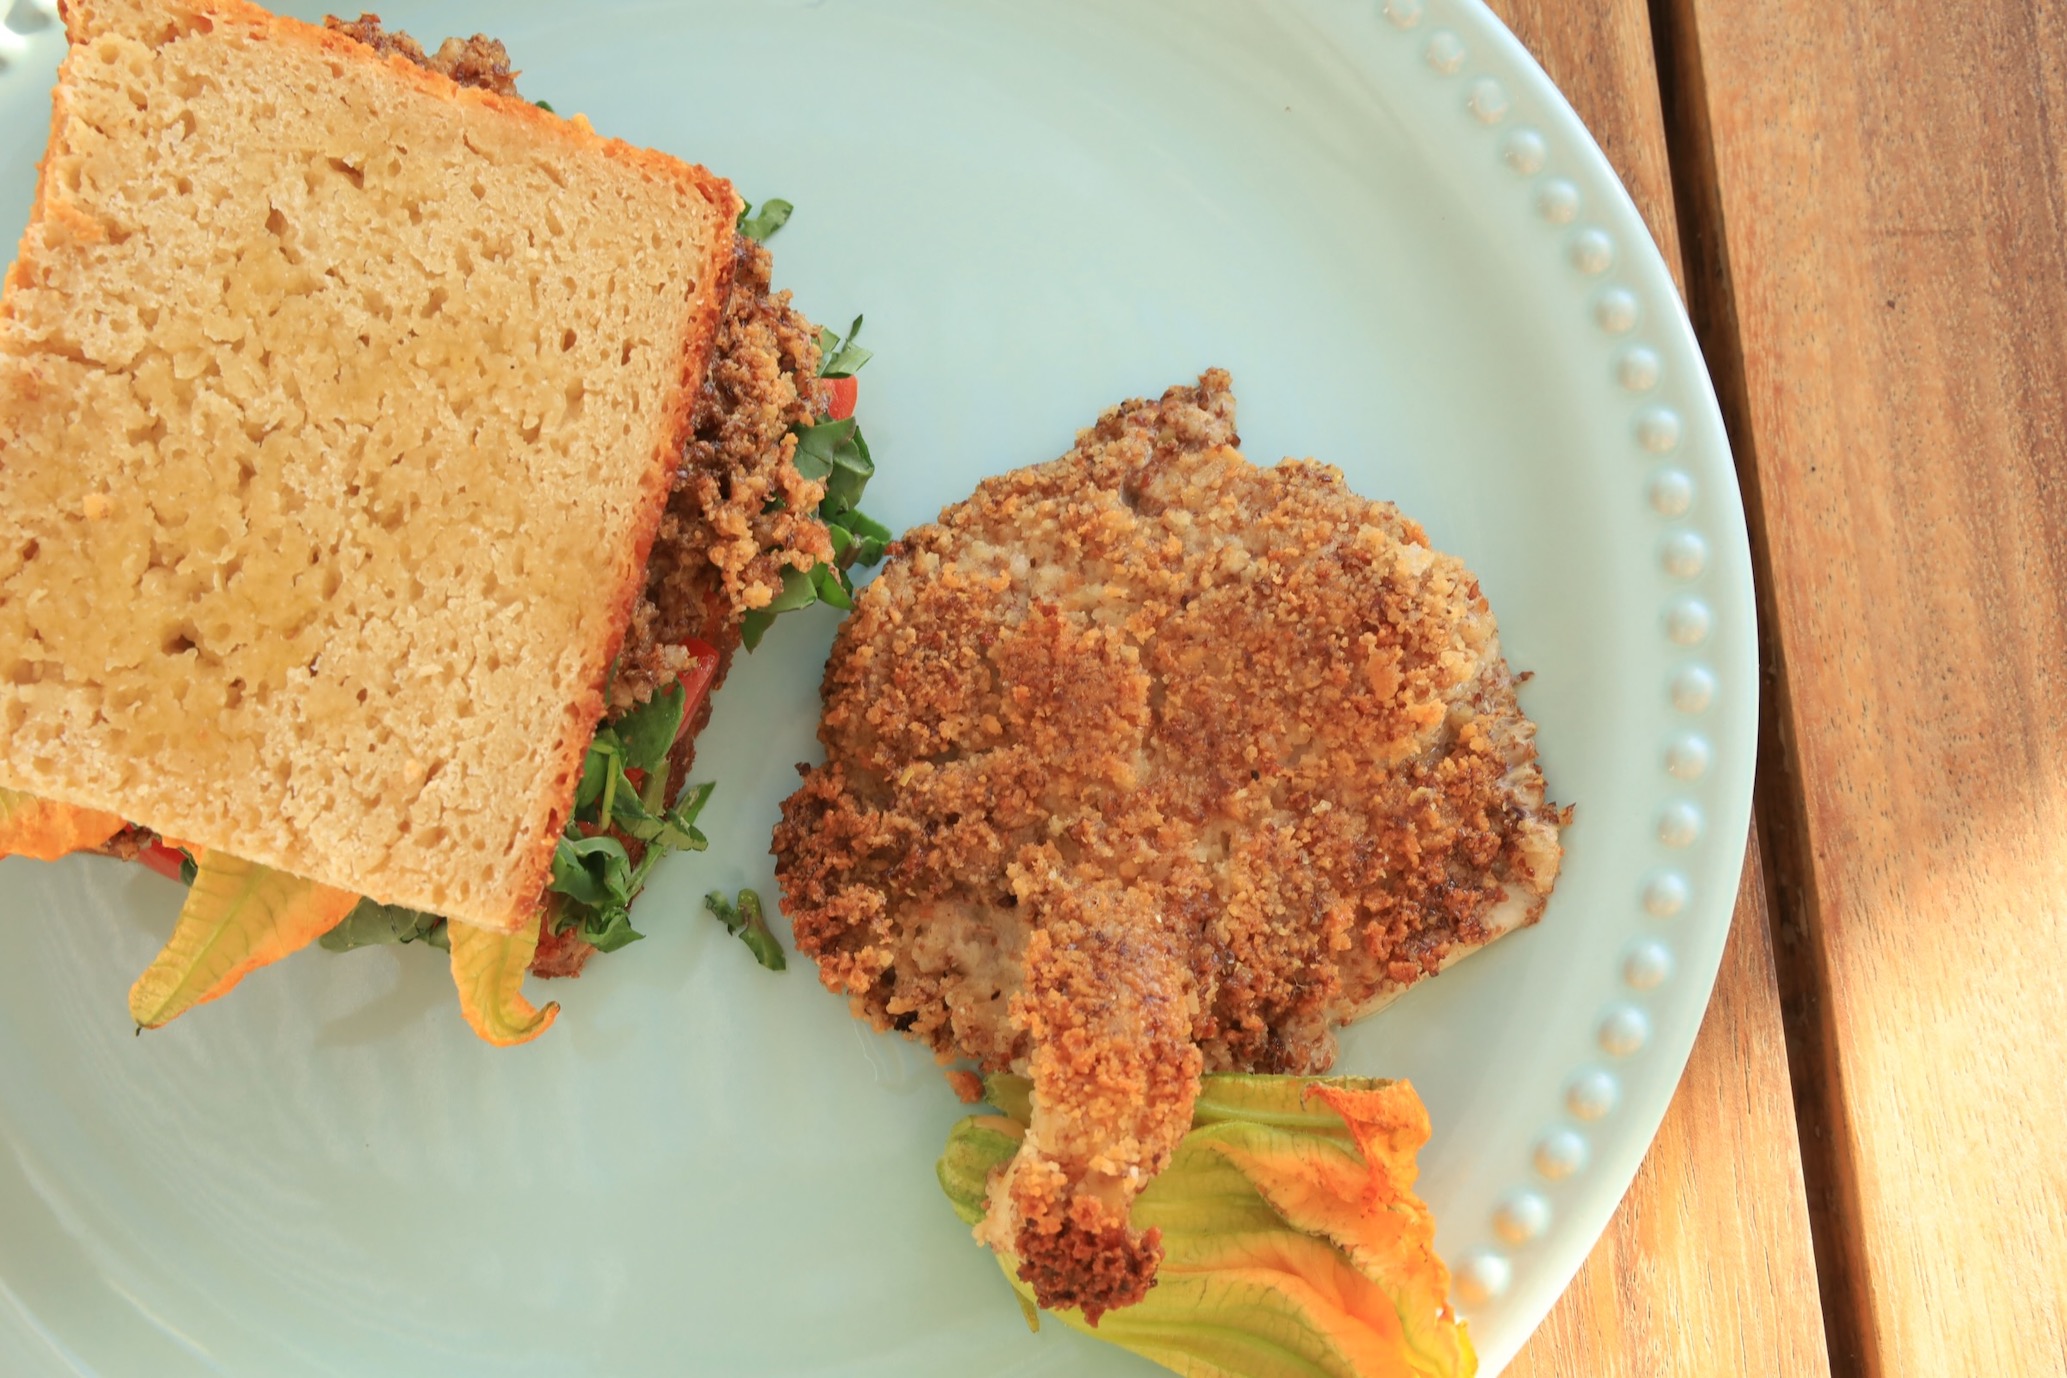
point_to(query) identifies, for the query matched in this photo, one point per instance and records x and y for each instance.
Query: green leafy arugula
(594, 876)
(836, 454)
(374, 925)
(839, 359)
(594, 879)
(744, 920)
(758, 225)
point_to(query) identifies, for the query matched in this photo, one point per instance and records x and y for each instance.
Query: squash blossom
(1292, 1240)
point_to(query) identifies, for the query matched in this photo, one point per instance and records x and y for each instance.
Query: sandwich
(389, 470)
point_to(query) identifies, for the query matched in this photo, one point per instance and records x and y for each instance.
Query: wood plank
(1890, 213)
(1707, 1267)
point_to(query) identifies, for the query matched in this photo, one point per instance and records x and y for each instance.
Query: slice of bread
(338, 405)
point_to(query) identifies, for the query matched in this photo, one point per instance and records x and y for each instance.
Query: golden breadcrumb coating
(753, 512)
(1145, 762)
(481, 62)
(739, 512)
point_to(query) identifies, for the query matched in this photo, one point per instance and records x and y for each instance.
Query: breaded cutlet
(1147, 762)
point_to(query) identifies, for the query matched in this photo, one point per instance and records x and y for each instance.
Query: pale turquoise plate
(1386, 223)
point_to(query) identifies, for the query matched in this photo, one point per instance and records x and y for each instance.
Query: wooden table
(1864, 1170)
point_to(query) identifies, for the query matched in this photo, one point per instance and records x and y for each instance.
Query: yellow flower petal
(239, 916)
(46, 830)
(489, 970)
(1360, 1199)
(1293, 1244)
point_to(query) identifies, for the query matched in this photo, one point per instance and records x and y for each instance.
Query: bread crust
(717, 627)
(557, 800)
(530, 876)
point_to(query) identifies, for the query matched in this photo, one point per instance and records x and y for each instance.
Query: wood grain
(1887, 200)
(1707, 1267)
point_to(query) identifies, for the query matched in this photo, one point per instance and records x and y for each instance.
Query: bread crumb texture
(1148, 762)
(338, 405)
(740, 513)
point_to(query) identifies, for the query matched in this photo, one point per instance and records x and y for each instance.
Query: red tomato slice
(696, 680)
(166, 861)
(839, 396)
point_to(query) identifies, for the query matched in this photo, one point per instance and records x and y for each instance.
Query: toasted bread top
(338, 405)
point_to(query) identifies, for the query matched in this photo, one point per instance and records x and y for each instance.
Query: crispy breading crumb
(1145, 762)
(739, 512)
(479, 61)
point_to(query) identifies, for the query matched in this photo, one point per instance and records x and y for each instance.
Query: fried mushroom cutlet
(1147, 762)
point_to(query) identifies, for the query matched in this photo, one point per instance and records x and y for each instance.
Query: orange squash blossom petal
(45, 830)
(1293, 1241)
(239, 916)
(489, 970)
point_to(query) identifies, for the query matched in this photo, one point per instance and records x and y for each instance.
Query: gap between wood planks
(1779, 806)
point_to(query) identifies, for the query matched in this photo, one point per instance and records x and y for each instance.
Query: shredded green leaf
(830, 452)
(754, 626)
(606, 754)
(830, 588)
(866, 537)
(594, 874)
(610, 929)
(545, 106)
(592, 870)
(649, 730)
(839, 359)
(594, 879)
(745, 921)
(836, 453)
(761, 225)
(377, 925)
(830, 444)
